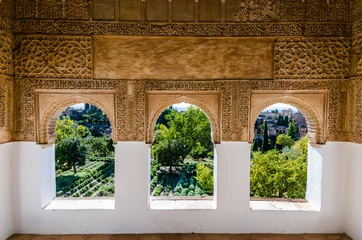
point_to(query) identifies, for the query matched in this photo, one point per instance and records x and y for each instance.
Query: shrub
(176, 194)
(204, 175)
(191, 193)
(177, 189)
(76, 194)
(88, 193)
(184, 192)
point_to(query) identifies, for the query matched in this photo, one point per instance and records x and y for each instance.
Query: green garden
(84, 158)
(182, 154)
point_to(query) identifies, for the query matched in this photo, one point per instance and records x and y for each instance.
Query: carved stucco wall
(313, 46)
(6, 71)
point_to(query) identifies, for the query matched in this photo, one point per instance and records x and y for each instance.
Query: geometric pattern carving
(52, 9)
(77, 9)
(327, 11)
(292, 10)
(5, 15)
(48, 56)
(312, 58)
(357, 48)
(356, 7)
(258, 10)
(6, 54)
(185, 29)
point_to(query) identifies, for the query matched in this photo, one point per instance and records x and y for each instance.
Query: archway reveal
(158, 101)
(50, 105)
(313, 105)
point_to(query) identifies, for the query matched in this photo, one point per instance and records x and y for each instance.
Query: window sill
(178, 204)
(81, 204)
(275, 205)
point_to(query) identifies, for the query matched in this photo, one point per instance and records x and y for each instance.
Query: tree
(265, 145)
(191, 128)
(171, 152)
(280, 120)
(70, 152)
(65, 128)
(283, 140)
(286, 121)
(162, 118)
(292, 130)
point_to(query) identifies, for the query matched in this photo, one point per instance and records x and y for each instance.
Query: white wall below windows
(6, 200)
(353, 193)
(132, 213)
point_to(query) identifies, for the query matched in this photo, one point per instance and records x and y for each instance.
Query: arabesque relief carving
(51, 56)
(357, 60)
(6, 54)
(131, 103)
(258, 10)
(6, 108)
(312, 58)
(52, 9)
(186, 29)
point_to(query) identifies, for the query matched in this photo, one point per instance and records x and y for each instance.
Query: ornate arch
(47, 127)
(215, 127)
(314, 120)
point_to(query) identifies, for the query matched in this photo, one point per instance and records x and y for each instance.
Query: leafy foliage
(284, 140)
(185, 133)
(204, 175)
(275, 174)
(70, 152)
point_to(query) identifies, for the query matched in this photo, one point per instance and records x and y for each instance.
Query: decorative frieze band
(131, 102)
(200, 29)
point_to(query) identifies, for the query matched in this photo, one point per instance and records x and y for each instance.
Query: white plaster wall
(6, 203)
(132, 215)
(353, 194)
(314, 176)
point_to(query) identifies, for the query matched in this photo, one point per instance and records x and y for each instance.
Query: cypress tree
(265, 146)
(292, 130)
(286, 121)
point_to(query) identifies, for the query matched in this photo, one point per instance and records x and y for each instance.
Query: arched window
(280, 157)
(279, 154)
(182, 155)
(84, 153)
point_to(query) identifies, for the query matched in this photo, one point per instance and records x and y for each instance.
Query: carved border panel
(173, 29)
(54, 56)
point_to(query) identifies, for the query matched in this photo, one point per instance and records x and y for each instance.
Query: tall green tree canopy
(188, 131)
